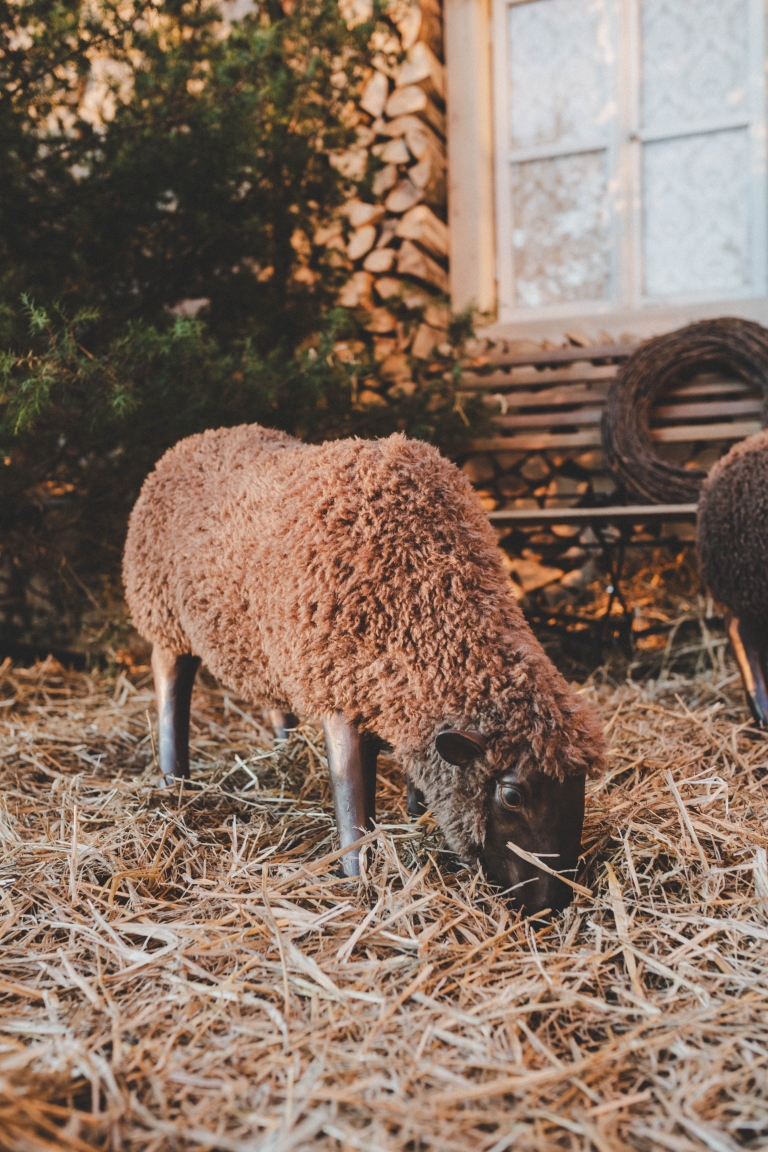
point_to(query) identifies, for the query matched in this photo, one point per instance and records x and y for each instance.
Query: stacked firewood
(396, 243)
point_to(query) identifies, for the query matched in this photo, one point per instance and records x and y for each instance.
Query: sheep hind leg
(174, 678)
(352, 756)
(415, 805)
(282, 723)
(748, 640)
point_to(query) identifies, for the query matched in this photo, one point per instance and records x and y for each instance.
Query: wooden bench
(549, 406)
(550, 403)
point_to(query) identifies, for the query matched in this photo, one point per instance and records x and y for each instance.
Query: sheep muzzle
(544, 817)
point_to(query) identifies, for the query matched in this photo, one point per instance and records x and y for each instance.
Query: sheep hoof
(759, 715)
(749, 644)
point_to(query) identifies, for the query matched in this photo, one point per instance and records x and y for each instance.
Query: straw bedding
(185, 971)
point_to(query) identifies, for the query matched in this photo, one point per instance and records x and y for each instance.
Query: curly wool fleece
(732, 529)
(361, 576)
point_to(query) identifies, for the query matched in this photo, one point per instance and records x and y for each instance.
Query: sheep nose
(546, 892)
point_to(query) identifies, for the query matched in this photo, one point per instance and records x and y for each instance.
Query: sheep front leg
(174, 677)
(749, 645)
(282, 722)
(352, 759)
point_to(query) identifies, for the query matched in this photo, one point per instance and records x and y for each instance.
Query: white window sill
(641, 323)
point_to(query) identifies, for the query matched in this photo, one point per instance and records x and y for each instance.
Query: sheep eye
(510, 796)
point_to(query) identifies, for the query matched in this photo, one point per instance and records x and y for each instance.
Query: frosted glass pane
(694, 61)
(561, 56)
(561, 229)
(696, 217)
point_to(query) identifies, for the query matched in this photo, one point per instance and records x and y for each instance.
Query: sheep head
(539, 813)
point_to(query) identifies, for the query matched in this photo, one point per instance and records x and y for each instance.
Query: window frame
(624, 146)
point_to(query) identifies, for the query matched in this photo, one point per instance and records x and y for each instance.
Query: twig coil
(736, 347)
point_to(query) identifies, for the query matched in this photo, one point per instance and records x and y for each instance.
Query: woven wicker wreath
(736, 347)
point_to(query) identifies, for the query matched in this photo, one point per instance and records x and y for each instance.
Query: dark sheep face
(541, 815)
(544, 817)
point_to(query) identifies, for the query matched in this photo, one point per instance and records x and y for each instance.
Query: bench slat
(738, 430)
(563, 355)
(750, 407)
(538, 441)
(558, 397)
(554, 397)
(709, 387)
(590, 437)
(583, 373)
(637, 513)
(592, 416)
(550, 419)
(518, 377)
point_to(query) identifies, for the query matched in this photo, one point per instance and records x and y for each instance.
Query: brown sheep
(359, 582)
(732, 543)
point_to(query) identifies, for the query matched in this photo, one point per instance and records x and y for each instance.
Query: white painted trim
(758, 16)
(547, 151)
(633, 165)
(503, 185)
(704, 128)
(471, 218)
(613, 159)
(628, 167)
(640, 323)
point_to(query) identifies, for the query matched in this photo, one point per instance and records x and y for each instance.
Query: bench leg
(748, 640)
(615, 564)
(352, 759)
(174, 678)
(282, 722)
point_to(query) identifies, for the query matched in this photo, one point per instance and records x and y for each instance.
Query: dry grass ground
(185, 971)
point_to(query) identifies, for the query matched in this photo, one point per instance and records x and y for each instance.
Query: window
(630, 154)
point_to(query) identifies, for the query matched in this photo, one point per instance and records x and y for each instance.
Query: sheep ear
(459, 748)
